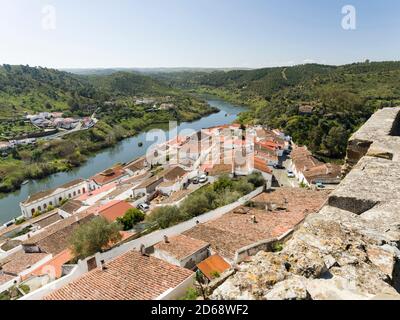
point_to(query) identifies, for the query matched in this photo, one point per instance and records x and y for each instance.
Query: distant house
(306, 109)
(310, 170)
(70, 208)
(4, 145)
(56, 115)
(107, 176)
(148, 186)
(174, 179)
(41, 201)
(326, 173)
(69, 123)
(137, 167)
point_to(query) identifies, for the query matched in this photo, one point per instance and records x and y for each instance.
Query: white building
(41, 201)
(182, 251)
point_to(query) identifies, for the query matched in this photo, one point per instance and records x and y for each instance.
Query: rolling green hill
(342, 98)
(29, 90)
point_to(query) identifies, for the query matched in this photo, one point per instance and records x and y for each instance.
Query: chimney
(143, 250)
(253, 219)
(166, 239)
(103, 265)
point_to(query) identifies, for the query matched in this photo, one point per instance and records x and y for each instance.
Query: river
(124, 151)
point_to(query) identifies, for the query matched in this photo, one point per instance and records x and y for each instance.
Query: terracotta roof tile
(235, 230)
(174, 173)
(109, 175)
(4, 278)
(131, 276)
(113, 210)
(20, 261)
(55, 238)
(136, 165)
(212, 265)
(181, 246)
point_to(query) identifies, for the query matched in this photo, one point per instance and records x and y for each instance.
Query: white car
(203, 179)
(291, 175)
(144, 207)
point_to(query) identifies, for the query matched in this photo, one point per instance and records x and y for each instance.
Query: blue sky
(196, 33)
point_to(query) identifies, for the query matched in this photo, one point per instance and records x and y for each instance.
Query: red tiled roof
(174, 173)
(181, 246)
(20, 261)
(131, 276)
(261, 165)
(109, 175)
(54, 266)
(325, 172)
(212, 265)
(234, 230)
(136, 165)
(113, 210)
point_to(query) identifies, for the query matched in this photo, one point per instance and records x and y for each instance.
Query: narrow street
(281, 176)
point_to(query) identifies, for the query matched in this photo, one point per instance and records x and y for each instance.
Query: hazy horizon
(98, 34)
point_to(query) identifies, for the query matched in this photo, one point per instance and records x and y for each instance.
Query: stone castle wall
(350, 249)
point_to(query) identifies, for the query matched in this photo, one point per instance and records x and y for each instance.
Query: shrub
(224, 182)
(256, 179)
(196, 205)
(131, 218)
(93, 237)
(277, 247)
(191, 294)
(36, 214)
(167, 216)
(243, 187)
(20, 221)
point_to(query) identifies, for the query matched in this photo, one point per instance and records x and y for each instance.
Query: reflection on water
(123, 152)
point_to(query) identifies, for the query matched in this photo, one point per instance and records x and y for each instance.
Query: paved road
(283, 179)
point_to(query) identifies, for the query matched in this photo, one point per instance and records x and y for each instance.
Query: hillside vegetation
(25, 90)
(341, 98)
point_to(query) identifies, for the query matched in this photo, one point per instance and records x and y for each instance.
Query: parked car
(203, 179)
(195, 180)
(279, 167)
(291, 175)
(320, 185)
(144, 207)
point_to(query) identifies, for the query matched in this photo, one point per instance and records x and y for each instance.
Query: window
(33, 211)
(79, 191)
(69, 196)
(74, 193)
(45, 206)
(59, 199)
(39, 208)
(84, 190)
(51, 203)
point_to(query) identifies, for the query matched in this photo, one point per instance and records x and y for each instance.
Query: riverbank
(63, 155)
(122, 151)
